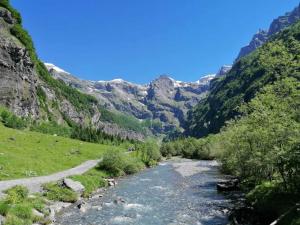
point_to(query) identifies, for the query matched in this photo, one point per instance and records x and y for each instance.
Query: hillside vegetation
(254, 112)
(277, 59)
(24, 153)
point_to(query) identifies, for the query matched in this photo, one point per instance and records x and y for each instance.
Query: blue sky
(137, 40)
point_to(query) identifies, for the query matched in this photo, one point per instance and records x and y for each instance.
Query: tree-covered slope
(277, 59)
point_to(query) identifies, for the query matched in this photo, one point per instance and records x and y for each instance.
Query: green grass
(25, 153)
(91, 180)
(56, 192)
(18, 207)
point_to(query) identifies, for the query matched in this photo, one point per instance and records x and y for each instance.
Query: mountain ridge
(164, 99)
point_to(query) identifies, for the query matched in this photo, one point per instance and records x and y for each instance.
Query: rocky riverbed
(181, 192)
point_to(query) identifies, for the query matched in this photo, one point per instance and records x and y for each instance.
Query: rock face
(18, 77)
(164, 100)
(224, 70)
(263, 35)
(27, 93)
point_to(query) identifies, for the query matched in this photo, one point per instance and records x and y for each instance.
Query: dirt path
(34, 183)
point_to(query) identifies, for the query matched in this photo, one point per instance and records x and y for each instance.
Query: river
(181, 192)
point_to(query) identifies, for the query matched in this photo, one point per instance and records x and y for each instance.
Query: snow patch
(57, 69)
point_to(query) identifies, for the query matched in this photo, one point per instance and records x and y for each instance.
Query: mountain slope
(276, 26)
(164, 100)
(275, 60)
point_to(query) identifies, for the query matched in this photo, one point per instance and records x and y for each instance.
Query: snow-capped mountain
(164, 99)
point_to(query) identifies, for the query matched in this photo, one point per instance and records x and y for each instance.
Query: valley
(224, 149)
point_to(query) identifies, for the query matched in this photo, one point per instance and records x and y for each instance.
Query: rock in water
(37, 213)
(2, 220)
(74, 185)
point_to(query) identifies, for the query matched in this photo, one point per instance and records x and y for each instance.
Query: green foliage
(24, 37)
(276, 60)
(41, 94)
(148, 152)
(16, 194)
(264, 144)
(22, 211)
(271, 201)
(113, 162)
(11, 120)
(93, 135)
(124, 121)
(56, 192)
(191, 148)
(17, 207)
(118, 163)
(15, 14)
(51, 128)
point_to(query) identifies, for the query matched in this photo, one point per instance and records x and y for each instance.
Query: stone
(111, 182)
(2, 220)
(230, 185)
(37, 213)
(74, 185)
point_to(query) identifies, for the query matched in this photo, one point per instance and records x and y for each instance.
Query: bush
(133, 165)
(149, 152)
(189, 148)
(56, 192)
(17, 194)
(12, 121)
(113, 162)
(117, 163)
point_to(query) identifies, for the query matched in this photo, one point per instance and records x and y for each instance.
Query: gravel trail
(34, 183)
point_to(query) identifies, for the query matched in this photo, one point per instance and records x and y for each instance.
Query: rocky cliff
(27, 88)
(277, 25)
(164, 100)
(17, 74)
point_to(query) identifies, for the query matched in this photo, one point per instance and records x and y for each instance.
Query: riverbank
(179, 191)
(20, 207)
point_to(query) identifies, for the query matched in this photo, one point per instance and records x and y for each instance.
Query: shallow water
(158, 196)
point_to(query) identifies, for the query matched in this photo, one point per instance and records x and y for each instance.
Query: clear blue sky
(137, 40)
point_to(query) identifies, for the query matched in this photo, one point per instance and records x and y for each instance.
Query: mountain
(28, 89)
(276, 26)
(275, 60)
(164, 100)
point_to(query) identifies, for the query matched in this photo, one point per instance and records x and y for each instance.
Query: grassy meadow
(26, 154)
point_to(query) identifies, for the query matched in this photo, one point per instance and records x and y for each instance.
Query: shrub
(17, 194)
(10, 120)
(133, 165)
(113, 162)
(149, 153)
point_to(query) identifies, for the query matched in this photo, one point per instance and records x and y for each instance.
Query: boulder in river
(111, 182)
(229, 185)
(74, 185)
(2, 220)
